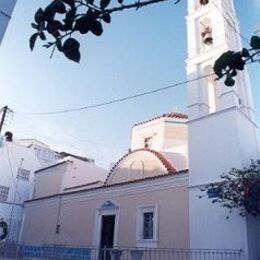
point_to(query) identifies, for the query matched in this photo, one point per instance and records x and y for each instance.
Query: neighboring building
(6, 9)
(18, 161)
(69, 174)
(143, 203)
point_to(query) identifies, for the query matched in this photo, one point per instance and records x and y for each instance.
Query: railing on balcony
(15, 251)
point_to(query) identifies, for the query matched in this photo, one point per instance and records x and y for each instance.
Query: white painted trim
(140, 242)
(98, 223)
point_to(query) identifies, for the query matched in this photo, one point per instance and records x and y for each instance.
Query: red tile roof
(176, 115)
(167, 164)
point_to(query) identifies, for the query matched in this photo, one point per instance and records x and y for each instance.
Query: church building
(150, 196)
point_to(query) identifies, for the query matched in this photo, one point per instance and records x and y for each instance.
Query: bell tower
(221, 126)
(212, 30)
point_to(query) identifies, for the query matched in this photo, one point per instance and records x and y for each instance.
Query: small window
(204, 2)
(23, 174)
(148, 225)
(148, 142)
(207, 35)
(4, 191)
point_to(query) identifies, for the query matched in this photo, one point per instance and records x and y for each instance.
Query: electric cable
(118, 100)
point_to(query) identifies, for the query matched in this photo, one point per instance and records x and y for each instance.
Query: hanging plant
(3, 229)
(239, 189)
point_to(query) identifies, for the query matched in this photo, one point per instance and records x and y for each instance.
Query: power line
(118, 100)
(231, 25)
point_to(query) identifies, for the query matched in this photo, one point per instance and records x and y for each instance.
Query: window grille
(148, 225)
(23, 174)
(4, 191)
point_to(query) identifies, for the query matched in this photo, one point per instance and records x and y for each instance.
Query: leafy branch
(62, 18)
(238, 189)
(230, 62)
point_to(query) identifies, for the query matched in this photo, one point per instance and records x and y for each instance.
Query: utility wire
(118, 100)
(231, 25)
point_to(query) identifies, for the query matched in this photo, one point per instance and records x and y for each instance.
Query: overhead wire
(231, 25)
(118, 100)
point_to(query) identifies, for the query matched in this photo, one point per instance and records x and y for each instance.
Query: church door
(107, 234)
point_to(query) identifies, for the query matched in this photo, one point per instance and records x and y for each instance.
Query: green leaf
(104, 3)
(71, 3)
(39, 16)
(255, 42)
(96, 28)
(42, 36)
(35, 26)
(245, 53)
(33, 40)
(106, 17)
(59, 7)
(53, 27)
(82, 24)
(71, 49)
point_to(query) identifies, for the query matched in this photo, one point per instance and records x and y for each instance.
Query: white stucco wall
(221, 140)
(13, 156)
(168, 136)
(67, 175)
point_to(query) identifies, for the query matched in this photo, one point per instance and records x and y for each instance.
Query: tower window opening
(207, 36)
(210, 90)
(206, 31)
(204, 2)
(212, 97)
(148, 142)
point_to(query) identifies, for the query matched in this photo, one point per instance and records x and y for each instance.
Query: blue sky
(139, 51)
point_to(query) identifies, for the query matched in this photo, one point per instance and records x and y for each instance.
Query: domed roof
(140, 164)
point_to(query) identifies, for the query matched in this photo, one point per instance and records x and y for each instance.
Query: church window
(205, 32)
(210, 89)
(147, 226)
(204, 2)
(206, 35)
(148, 223)
(4, 191)
(148, 142)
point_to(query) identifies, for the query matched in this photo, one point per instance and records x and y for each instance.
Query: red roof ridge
(166, 163)
(176, 115)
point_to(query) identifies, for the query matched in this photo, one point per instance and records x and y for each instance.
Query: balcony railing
(15, 251)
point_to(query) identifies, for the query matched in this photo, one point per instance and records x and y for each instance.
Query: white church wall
(169, 136)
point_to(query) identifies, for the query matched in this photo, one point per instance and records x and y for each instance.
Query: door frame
(107, 208)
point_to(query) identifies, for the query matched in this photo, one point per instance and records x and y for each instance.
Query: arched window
(206, 31)
(210, 89)
(136, 170)
(204, 2)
